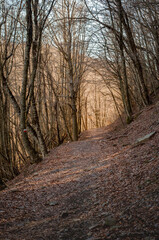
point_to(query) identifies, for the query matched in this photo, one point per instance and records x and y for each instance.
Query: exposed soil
(105, 186)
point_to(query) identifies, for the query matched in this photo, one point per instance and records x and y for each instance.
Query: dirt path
(93, 189)
(59, 197)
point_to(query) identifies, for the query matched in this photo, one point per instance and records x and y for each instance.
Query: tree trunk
(74, 121)
(135, 57)
(126, 94)
(23, 116)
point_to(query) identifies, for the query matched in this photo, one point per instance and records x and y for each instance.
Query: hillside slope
(105, 186)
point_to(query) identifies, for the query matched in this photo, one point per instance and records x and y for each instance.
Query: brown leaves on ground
(101, 187)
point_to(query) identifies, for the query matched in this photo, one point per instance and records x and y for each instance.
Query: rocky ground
(105, 186)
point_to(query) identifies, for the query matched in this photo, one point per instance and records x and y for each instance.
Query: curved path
(85, 190)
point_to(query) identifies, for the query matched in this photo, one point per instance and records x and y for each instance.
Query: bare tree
(68, 35)
(35, 22)
(117, 25)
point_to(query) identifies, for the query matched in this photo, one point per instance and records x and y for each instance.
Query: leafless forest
(70, 65)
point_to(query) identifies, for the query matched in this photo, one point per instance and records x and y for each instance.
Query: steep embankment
(105, 186)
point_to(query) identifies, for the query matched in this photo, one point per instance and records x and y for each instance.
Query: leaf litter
(105, 186)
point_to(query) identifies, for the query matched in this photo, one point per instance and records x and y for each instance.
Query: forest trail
(105, 186)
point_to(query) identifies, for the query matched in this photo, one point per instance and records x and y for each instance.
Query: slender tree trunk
(74, 120)
(73, 96)
(126, 94)
(135, 57)
(73, 108)
(23, 117)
